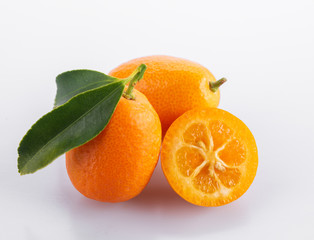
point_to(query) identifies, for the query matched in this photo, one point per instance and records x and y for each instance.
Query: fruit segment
(188, 159)
(220, 133)
(205, 181)
(233, 154)
(197, 134)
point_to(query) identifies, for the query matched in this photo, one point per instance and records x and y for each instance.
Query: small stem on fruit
(214, 86)
(136, 76)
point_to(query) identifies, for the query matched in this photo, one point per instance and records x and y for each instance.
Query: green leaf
(75, 82)
(72, 124)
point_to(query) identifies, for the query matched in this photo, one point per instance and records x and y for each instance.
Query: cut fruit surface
(209, 157)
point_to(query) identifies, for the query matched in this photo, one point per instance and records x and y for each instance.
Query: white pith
(212, 161)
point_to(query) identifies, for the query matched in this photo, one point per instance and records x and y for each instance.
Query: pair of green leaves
(84, 104)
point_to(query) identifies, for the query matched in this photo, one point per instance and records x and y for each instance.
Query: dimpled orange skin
(117, 164)
(172, 85)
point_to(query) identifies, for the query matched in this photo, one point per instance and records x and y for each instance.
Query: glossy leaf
(72, 124)
(75, 82)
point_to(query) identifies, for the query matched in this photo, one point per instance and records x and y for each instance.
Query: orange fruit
(209, 157)
(173, 85)
(117, 164)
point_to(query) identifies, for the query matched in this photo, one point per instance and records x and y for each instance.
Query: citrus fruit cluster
(208, 155)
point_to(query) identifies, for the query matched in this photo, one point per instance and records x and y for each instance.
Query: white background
(264, 48)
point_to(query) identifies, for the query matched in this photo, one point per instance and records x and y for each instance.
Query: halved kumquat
(209, 157)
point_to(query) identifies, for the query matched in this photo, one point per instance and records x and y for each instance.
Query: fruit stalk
(136, 76)
(214, 86)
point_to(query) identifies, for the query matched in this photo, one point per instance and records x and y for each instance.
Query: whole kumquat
(117, 164)
(173, 85)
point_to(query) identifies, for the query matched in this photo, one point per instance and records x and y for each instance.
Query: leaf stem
(214, 86)
(136, 76)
